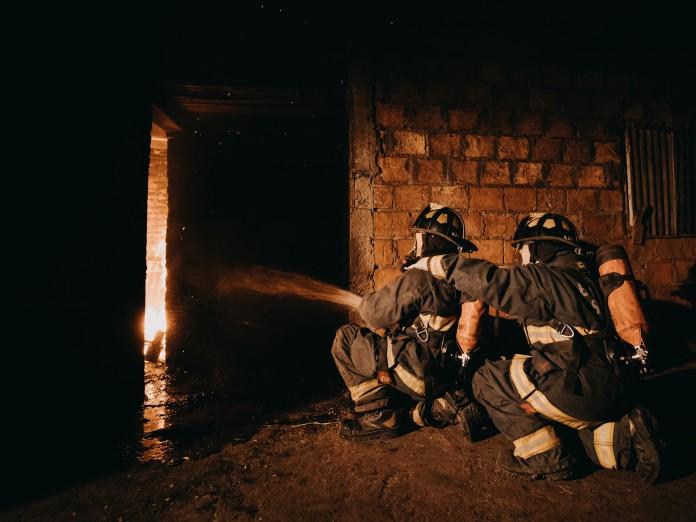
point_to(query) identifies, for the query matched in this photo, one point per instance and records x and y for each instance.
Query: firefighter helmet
(546, 227)
(445, 223)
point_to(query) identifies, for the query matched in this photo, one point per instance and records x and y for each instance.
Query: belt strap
(427, 380)
(580, 342)
(611, 281)
(582, 347)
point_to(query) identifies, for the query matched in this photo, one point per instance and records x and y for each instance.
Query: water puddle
(179, 423)
(156, 414)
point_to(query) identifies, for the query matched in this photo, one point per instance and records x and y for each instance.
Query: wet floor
(158, 407)
(180, 424)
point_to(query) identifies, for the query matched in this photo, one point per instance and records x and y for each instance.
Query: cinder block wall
(496, 142)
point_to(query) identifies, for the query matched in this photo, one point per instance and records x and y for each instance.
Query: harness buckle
(421, 330)
(566, 330)
(422, 333)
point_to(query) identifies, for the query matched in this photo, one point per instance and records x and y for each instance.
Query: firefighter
(568, 378)
(401, 369)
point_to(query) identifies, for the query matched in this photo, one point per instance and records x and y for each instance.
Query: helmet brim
(516, 242)
(464, 244)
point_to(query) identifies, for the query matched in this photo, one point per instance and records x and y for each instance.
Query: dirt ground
(299, 469)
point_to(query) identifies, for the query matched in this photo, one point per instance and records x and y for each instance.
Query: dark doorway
(256, 178)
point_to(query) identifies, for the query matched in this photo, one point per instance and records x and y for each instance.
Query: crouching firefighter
(569, 378)
(402, 371)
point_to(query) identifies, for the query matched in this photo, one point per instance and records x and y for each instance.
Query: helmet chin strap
(419, 244)
(525, 254)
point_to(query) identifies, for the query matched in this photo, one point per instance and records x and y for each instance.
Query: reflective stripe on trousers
(603, 438)
(537, 442)
(365, 388)
(527, 391)
(416, 415)
(413, 383)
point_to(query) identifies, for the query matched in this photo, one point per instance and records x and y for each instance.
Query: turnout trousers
(412, 368)
(356, 352)
(525, 398)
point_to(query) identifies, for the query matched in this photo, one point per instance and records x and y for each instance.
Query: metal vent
(660, 168)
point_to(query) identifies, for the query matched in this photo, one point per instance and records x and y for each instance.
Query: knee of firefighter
(355, 349)
(345, 335)
(479, 382)
(487, 378)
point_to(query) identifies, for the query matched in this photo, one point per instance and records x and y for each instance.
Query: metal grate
(660, 168)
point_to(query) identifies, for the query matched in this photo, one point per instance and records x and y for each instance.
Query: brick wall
(495, 143)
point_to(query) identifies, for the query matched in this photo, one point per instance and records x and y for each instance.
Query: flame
(155, 292)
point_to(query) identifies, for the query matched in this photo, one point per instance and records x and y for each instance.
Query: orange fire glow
(155, 320)
(155, 291)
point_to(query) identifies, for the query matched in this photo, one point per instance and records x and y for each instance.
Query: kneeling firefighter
(569, 377)
(402, 371)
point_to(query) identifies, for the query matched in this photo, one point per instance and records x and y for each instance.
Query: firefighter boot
(454, 408)
(441, 413)
(473, 420)
(371, 425)
(537, 467)
(641, 444)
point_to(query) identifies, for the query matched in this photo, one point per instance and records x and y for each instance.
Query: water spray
(275, 282)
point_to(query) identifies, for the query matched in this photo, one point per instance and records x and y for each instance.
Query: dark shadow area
(506, 338)
(672, 339)
(673, 355)
(667, 396)
(265, 191)
(72, 366)
(687, 288)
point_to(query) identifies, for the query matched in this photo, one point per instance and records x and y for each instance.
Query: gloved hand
(422, 264)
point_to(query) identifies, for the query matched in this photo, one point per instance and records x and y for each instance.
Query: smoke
(277, 282)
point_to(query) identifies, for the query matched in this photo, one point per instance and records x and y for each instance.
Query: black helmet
(546, 227)
(445, 223)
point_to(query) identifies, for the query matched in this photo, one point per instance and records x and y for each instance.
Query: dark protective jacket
(420, 308)
(413, 296)
(560, 306)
